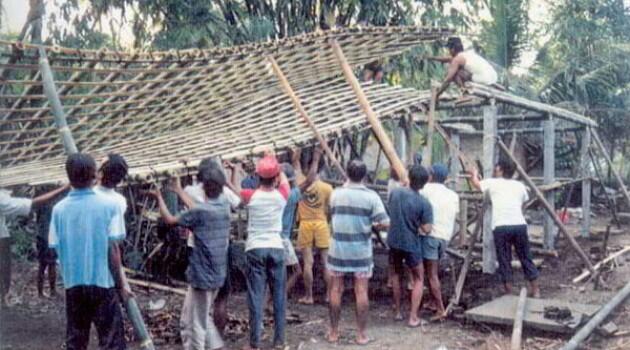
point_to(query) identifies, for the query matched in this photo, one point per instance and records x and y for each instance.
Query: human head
(205, 164)
(268, 170)
(113, 171)
(454, 45)
(505, 168)
(356, 170)
(81, 170)
(289, 172)
(213, 180)
(439, 173)
(418, 177)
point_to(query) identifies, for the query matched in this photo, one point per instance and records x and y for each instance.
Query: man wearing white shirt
(445, 204)
(509, 227)
(11, 207)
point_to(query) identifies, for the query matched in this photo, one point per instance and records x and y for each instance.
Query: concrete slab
(503, 309)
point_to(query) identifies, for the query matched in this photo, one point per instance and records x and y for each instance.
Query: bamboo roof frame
(167, 110)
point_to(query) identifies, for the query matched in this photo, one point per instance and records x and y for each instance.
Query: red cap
(268, 167)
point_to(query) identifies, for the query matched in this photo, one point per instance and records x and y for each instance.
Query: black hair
(205, 164)
(212, 189)
(213, 180)
(356, 170)
(266, 181)
(114, 170)
(81, 170)
(418, 177)
(507, 166)
(455, 43)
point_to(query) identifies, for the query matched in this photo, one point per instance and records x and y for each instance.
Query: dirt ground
(33, 323)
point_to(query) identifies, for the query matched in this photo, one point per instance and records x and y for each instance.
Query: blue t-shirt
(81, 228)
(288, 216)
(408, 210)
(210, 224)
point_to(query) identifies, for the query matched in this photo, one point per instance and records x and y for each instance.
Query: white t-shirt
(264, 225)
(481, 70)
(445, 204)
(507, 198)
(198, 196)
(11, 207)
(115, 196)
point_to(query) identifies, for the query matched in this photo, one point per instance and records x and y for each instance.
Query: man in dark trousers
(85, 230)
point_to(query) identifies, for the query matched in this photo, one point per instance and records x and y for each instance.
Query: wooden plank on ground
(503, 309)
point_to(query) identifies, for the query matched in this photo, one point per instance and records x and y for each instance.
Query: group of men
(87, 226)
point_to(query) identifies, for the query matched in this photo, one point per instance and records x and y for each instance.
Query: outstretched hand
(174, 184)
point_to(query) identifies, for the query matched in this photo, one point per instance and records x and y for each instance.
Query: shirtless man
(464, 66)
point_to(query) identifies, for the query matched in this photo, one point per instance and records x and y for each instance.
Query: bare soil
(34, 323)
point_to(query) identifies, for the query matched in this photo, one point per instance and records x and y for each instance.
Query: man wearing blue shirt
(411, 216)
(85, 230)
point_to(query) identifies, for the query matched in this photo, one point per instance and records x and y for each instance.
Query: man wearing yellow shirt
(313, 232)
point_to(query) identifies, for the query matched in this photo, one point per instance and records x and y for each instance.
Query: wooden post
(489, 262)
(585, 170)
(302, 112)
(549, 163)
(400, 140)
(375, 123)
(428, 150)
(455, 165)
(463, 221)
(55, 103)
(517, 331)
(548, 208)
(600, 145)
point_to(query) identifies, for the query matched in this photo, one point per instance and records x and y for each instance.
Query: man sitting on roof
(465, 66)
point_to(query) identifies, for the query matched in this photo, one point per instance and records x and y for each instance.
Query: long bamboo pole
(517, 330)
(375, 123)
(428, 156)
(302, 112)
(55, 103)
(547, 207)
(602, 149)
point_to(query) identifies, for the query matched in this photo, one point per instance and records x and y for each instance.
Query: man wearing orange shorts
(313, 232)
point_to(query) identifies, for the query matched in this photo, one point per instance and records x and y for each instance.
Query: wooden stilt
(428, 151)
(461, 279)
(611, 203)
(455, 165)
(463, 221)
(377, 127)
(488, 161)
(302, 112)
(549, 163)
(55, 103)
(601, 148)
(547, 207)
(586, 184)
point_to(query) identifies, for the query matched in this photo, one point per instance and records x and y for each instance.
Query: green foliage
(505, 37)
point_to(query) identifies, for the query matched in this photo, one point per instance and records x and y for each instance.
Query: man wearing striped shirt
(355, 209)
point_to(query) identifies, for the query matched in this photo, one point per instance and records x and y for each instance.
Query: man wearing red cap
(265, 249)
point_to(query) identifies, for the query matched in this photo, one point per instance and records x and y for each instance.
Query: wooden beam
(489, 255)
(55, 103)
(602, 149)
(302, 112)
(428, 151)
(373, 120)
(549, 166)
(597, 266)
(548, 208)
(517, 330)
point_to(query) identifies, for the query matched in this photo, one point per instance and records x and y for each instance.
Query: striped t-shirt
(354, 209)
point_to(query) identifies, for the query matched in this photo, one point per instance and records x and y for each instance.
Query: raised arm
(166, 215)
(296, 152)
(46, 197)
(474, 178)
(175, 186)
(312, 171)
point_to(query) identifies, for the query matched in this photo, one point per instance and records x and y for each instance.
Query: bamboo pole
(547, 207)
(302, 112)
(377, 127)
(517, 331)
(51, 92)
(600, 145)
(597, 266)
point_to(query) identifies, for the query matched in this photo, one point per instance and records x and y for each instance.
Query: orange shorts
(313, 234)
